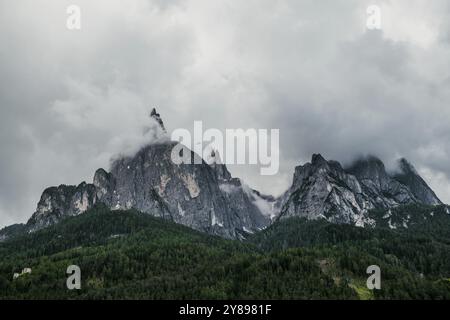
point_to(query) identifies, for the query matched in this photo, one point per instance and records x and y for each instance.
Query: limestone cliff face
(419, 188)
(207, 198)
(59, 202)
(189, 194)
(324, 189)
(201, 196)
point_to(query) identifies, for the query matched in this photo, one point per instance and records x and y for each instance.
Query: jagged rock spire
(157, 117)
(219, 168)
(215, 157)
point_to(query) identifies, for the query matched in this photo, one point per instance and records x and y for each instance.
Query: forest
(132, 255)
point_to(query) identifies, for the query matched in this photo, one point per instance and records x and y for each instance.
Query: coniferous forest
(131, 255)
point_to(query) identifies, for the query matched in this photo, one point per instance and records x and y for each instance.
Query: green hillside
(131, 255)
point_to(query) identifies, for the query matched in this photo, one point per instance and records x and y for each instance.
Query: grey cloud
(69, 100)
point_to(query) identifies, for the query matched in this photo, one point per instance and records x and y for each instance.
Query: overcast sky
(70, 100)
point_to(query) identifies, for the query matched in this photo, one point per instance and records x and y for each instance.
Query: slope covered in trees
(130, 255)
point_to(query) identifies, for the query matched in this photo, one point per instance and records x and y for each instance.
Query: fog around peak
(71, 100)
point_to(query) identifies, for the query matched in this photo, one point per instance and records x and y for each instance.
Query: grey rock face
(250, 206)
(152, 183)
(201, 196)
(419, 188)
(62, 201)
(384, 191)
(207, 198)
(196, 195)
(323, 189)
(156, 116)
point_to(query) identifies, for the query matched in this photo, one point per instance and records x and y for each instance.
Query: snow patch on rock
(362, 221)
(247, 230)
(180, 210)
(82, 204)
(391, 226)
(214, 220)
(164, 180)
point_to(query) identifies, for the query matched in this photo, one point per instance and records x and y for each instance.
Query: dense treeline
(415, 261)
(130, 255)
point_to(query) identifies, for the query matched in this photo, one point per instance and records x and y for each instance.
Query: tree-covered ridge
(130, 255)
(416, 219)
(126, 254)
(417, 252)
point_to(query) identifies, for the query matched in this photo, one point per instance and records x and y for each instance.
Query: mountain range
(150, 229)
(207, 198)
(127, 254)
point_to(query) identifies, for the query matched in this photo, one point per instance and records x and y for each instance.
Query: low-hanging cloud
(70, 100)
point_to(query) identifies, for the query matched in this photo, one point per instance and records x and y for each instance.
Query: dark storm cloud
(72, 99)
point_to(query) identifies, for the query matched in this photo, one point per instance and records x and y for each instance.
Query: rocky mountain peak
(409, 177)
(317, 160)
(155, 115)
(367, 165)
(370, 170)
(201, 196)
(206, 197)
(220, 169)
(323, 189)
(406, 167)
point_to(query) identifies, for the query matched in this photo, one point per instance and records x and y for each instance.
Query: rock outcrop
(207, 198)
(324, 189)
(201, 196)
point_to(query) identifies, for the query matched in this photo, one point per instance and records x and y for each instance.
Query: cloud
(69, 100)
